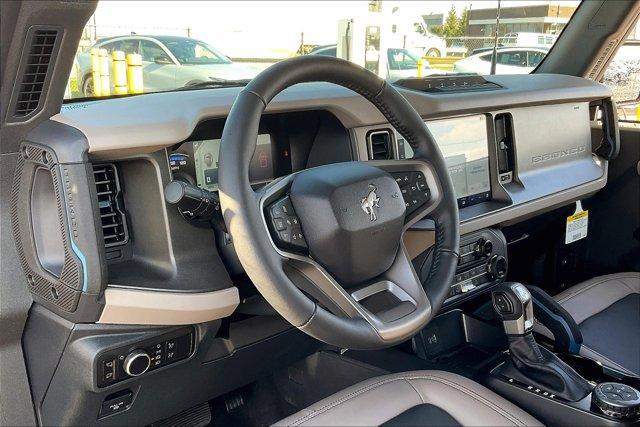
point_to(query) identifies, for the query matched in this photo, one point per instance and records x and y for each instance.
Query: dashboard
(138, 274)
(516, 150)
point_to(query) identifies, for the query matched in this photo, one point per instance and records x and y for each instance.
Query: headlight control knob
(136, 363)
(617, 400)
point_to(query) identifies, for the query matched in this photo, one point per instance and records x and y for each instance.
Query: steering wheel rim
(270, 268)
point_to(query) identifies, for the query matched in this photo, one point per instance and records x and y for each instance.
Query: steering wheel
(324, 245)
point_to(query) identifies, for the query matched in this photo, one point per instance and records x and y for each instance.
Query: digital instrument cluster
(197, 162)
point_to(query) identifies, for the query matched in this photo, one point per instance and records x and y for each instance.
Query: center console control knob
(483, 247)
(136, 363)
(617, 400)
(497, 267)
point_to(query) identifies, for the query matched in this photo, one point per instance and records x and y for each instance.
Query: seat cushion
(425, 398)
(607, 309)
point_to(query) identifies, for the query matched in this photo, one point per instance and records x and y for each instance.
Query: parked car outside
(509, 60)
(524, 39)
(401, 63)
(168, 62)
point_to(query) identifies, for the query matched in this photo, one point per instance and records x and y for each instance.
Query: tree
(464, 22)
(451, 26)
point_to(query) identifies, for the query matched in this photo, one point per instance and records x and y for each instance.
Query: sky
(258, 26)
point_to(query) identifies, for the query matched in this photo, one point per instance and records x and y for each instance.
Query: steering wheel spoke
(394, 297)
(419, 186)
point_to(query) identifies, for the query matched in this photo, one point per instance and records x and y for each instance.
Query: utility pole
(494, 57)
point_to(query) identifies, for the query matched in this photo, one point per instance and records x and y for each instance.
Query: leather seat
(607, 310)
(418, 398)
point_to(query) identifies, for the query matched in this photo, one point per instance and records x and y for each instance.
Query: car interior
(318, 245)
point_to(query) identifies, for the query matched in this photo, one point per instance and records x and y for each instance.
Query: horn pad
(352, 216)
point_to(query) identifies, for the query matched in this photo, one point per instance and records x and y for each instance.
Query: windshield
(133, 47)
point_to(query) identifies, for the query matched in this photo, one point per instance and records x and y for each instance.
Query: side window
(129, 46)
(399, 59)
(534, 58)
(112, 46)
(623, 77)
(151, 51)
(516, 58)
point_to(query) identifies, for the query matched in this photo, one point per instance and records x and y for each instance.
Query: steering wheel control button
(285, 224)
(617, 400)
(279, 224)
(414, 189)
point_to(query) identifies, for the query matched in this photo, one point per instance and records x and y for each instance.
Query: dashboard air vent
(35, 71)
(505, 143)
(380, 145)
(110, 204)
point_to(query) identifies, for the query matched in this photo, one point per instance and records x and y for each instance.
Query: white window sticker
(577, 225)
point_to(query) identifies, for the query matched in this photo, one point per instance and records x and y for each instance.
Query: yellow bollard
(95, 71)
(119, 72)
(105, 86)
(134, 73)
(638, 112)
(420, 66)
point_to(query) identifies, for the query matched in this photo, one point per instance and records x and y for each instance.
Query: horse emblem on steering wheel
(370, 202)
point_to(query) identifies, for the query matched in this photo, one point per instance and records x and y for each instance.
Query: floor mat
(287, 391)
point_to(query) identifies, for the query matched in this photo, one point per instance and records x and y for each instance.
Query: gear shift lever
(514, 306)
(530, 363)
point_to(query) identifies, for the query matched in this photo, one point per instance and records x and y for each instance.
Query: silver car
(168, 62)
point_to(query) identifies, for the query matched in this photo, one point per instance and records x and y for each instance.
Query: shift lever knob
(513, 305)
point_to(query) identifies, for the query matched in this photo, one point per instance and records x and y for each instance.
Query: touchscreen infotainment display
(463, 143)
(202, 158)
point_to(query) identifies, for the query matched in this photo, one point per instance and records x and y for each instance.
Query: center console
(482, 265)
(559, 389)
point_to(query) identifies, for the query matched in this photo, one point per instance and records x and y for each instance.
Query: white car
(528, 39)
(511, 60)
(402, 63)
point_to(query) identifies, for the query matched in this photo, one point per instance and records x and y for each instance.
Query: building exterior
(547, 18)
(433, 20)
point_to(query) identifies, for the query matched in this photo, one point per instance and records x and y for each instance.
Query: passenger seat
(607, 310)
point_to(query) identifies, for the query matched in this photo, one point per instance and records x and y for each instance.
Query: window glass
(150, 51)
(401, 59)
(226, 42)
(112, 46)
(130, 46)
(534, 58)
(189, 51)
(623, 77)
(515, 58)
